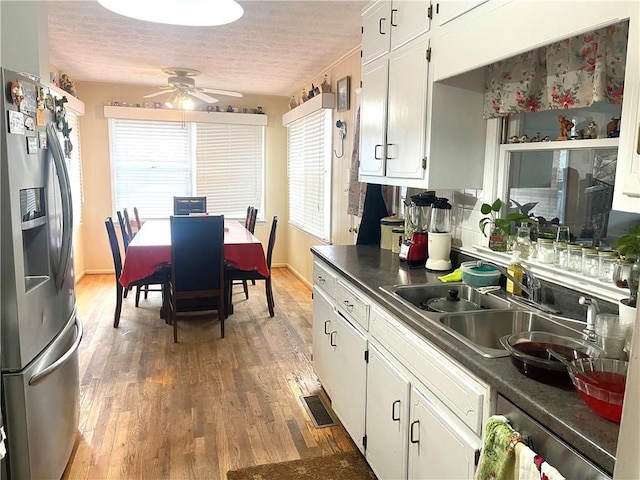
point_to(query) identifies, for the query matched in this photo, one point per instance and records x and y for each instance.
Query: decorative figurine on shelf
(580, 134)
(293, 103)
(325, 86)
(523, 139)
(536, 137)
(593, 130)
(312, 92)
(565, 126)
(229, 108)
(316, 90)
(514, 139)
(259, 110)
(67, 85)
(613, 129)
(304, 97)
(545, 139)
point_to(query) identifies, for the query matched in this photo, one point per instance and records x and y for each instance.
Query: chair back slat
(247, 219)
(187, 205)
(123, 231)
(272, 241)
(137, 216)
(197, 253)
(127, 223)
(252, 220)
(115, 248)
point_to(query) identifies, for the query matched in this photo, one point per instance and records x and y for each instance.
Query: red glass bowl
(605, 397)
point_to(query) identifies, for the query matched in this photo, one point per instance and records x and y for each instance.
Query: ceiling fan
(182, 85)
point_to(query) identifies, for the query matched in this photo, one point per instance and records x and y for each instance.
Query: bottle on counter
(515, 270)
(523, 241)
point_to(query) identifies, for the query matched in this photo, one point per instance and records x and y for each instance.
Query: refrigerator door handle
(67, 210)
(41, 375)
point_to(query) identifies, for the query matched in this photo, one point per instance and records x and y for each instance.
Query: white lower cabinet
(323, 357)
(348, 394)
(387, 422)
(440, 447)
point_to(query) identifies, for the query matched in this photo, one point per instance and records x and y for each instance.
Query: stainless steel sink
(418, 295)
(482, 330)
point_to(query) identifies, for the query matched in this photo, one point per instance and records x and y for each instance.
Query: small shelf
(324, 100)
(560, 145)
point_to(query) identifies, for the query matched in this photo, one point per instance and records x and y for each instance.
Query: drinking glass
(563, 234)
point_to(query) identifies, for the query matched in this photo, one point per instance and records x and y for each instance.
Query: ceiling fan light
(187, 103)
(197, 13)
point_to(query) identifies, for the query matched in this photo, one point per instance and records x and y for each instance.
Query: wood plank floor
(151, 409)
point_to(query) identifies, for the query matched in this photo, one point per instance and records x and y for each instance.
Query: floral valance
(572, 73)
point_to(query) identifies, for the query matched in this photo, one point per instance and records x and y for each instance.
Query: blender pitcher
(414, 250)
(439, 239)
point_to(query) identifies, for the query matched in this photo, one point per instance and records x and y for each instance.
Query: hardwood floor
(151, 409)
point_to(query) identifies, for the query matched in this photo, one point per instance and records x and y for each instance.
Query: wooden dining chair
(126, 239)
(127, 224)
(160, 277)
(232, 273)
(137, 217)
(187, 205)
(250, 225)
(197, 267)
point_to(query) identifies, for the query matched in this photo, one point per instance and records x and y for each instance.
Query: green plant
(504, 224)
(628, 245)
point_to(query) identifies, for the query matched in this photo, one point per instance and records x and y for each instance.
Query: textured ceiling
(271, 50)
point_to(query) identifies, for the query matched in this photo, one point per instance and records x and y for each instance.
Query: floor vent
(318, 411)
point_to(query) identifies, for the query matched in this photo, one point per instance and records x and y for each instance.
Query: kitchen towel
(455, 276)
(530, 466)
(497, 461)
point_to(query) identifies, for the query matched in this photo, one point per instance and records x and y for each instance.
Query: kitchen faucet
(592, 311)
(532, 288)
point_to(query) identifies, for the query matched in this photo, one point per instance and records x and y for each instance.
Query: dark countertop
(559, 409)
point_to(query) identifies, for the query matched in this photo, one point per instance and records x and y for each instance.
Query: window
(309, 170)
(153, 161)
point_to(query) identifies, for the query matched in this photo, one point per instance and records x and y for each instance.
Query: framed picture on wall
(344, 85)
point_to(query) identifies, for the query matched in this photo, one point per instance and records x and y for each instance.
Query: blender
(439, 235)
(414, 250)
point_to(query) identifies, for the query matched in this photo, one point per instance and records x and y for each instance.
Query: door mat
(318, 411)
(339, 466)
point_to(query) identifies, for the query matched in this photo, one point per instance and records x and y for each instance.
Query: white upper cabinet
(446, 11)
(387, 25)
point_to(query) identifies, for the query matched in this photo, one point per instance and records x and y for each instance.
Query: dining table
(150, 250)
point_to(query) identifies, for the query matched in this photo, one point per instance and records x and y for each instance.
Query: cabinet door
(373, 118)
(350, 375)
(439, 447)
(387, 417)
(447, 10)
(409, 19)
(376, 31)
(407, 111)
(322, 328)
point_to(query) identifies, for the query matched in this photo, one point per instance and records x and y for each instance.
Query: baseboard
(99, 271)
(79, 276)
(300, 277)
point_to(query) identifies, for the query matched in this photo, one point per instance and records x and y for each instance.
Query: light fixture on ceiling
(197, 13)
(181, 101)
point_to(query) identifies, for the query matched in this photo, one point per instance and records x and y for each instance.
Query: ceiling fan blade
(202, 96)
(220, 92)
(163, 90)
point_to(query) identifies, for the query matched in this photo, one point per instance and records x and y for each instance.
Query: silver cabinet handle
(375, 152)
(393, 17)
(326, 322)
(331, 337)
(353, 230)
(348, 306)
(320, 279)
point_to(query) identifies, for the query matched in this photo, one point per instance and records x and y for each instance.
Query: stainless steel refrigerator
(39, 331)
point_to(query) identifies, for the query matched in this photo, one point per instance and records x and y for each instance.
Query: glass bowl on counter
(601, 383)
(476, 275)
(529, 354)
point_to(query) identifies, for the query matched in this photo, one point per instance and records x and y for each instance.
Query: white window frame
(309, 156)
(230, 122)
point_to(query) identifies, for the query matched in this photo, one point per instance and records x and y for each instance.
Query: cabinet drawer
(323, 278)
(350, 303)
(464, 395)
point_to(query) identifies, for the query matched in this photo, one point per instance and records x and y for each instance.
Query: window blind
(75, 167)
(230, 167)
(309, 171)
(151, 164)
